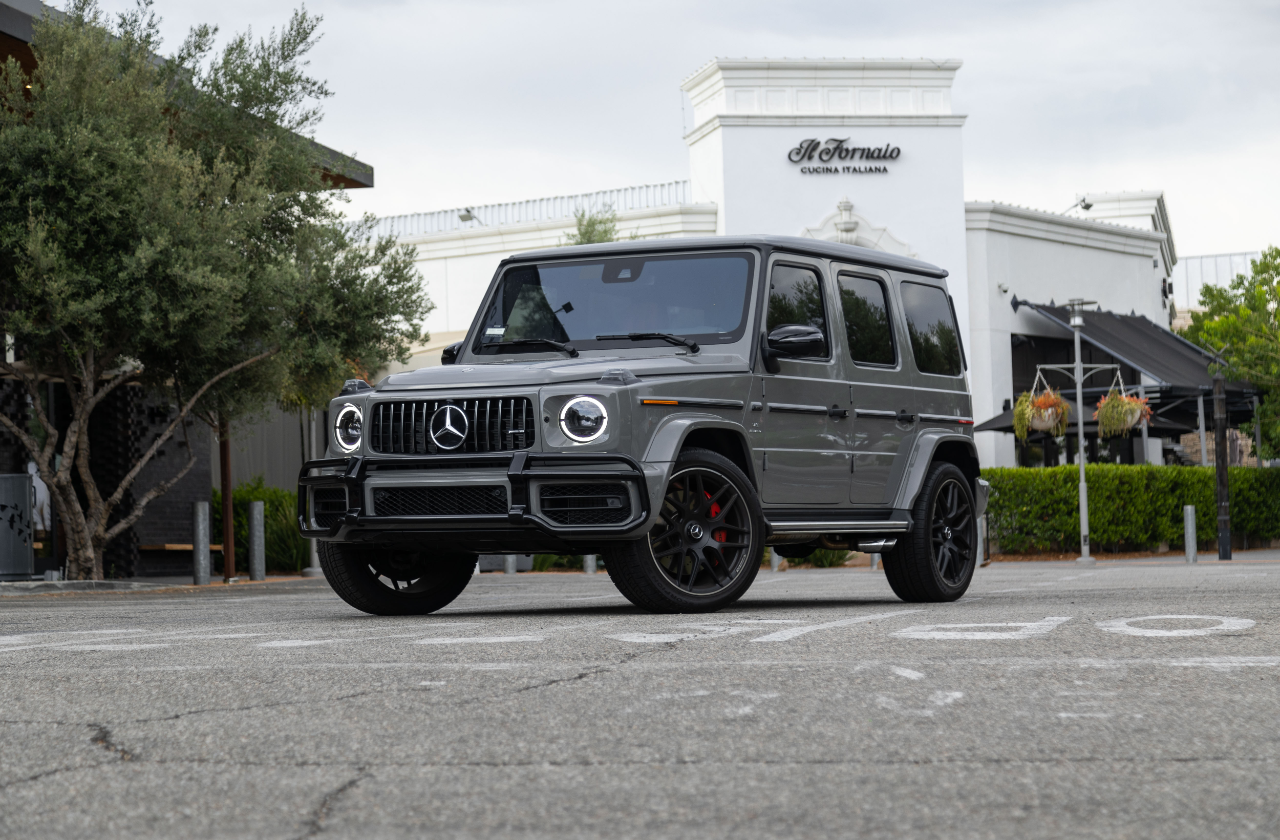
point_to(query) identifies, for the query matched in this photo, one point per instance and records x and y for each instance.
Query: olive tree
(159, 221)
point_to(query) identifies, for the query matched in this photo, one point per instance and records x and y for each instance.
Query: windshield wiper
(667, 337)
(559, 345)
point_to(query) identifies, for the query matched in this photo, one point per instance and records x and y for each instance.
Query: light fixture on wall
(1082, 202)
(466, 214)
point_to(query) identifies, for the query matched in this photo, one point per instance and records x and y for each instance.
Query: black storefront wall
(120, 428)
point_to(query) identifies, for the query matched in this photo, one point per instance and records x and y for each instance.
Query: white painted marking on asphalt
(108, 647)
(1002, 591)
(767, 621)
(937, 699)
(705, 631)
(291, 643)
(756, 695)
(794, 632)
(1124, 625)
(225, 636)
(1227, 663)
(961, 632)
(596, 597)
(481, 640)
(432, 682)
(908, 673)
(30, 637)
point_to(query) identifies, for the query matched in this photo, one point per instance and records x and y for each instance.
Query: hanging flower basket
(1046, 411)
(1118, 413)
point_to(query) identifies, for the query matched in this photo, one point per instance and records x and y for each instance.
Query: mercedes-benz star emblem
(449, 427)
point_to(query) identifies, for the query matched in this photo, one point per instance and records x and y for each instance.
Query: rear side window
(795, 297)
(935, 342)
(866, 320)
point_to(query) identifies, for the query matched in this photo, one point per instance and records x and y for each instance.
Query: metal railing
(624, 200)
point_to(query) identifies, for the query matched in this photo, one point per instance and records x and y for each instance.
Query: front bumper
(514, 470)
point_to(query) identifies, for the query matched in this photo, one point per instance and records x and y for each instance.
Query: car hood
(552, 371)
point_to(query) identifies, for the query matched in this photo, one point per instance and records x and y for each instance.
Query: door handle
(837, 412)
(904, 417)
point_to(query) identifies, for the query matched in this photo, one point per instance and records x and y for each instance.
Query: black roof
(1168, 358)
(797, 244)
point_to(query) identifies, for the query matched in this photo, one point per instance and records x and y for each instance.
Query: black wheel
(705, 549)
(388, 582)
(936, 559)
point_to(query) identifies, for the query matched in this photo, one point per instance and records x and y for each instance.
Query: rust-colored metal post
(228, 509)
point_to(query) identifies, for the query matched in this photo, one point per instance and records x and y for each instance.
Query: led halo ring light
(348, 428)
(581, 435)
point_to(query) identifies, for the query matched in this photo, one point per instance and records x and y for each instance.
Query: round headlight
(583, 419)
(347, 428)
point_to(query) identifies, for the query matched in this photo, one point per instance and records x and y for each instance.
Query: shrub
(286, 549)
(1130, 507)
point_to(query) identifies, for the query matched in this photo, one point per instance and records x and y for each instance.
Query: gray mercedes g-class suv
(674, 405)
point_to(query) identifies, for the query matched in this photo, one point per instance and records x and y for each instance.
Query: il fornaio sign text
(834, 151)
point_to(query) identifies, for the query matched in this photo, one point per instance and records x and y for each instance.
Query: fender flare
(921, 458)
(667, 440)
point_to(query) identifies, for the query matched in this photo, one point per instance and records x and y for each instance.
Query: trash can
(17, 554)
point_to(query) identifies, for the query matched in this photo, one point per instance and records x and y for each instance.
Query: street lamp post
(1077, 322)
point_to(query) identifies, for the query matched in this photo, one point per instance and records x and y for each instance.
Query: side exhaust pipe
(879, 546)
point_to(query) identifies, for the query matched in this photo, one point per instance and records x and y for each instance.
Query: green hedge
(1131, 508)
(286, 550)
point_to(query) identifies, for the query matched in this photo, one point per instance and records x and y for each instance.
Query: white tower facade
(862, 151)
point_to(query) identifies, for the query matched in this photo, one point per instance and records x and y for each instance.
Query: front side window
(935, 341)
(700, 297)
(795, 297)
(866, 320)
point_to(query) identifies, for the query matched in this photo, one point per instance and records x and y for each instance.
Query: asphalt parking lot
(1124, 700)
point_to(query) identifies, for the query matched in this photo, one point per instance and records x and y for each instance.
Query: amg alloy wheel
(704, 551)
(936, 559)
(390, 582)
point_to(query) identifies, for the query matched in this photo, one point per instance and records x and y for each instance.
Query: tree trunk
(228, 507)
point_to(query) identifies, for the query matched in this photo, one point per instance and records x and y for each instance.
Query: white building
(867, 152)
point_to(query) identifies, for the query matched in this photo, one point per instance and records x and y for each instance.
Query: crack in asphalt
(602, 669)
(103, 739)
(315, 824)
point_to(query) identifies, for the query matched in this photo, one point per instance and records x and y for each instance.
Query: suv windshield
(699, 297)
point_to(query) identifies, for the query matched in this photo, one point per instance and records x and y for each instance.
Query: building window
(866, 320)
(935, 342)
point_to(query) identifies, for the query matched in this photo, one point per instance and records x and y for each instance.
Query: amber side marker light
(659, 402)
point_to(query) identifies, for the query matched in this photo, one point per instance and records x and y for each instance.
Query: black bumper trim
(520, 467)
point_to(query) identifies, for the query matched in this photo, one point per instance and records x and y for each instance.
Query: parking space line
(794, 632)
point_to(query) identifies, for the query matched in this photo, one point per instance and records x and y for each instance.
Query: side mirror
(798, 340)
(449, 355)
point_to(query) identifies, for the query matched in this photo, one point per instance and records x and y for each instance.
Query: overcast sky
(458, 103)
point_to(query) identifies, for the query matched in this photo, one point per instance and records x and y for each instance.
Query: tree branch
(127, 481)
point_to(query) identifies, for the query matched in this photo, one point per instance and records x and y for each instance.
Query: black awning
(1178, 368)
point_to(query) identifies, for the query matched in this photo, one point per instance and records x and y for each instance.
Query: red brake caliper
(722, 535)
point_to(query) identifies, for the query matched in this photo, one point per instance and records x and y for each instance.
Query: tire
(935, 561)
(383, 581)
(711, 521)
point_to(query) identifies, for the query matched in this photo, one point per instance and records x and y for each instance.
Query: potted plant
(1118, 413)
(1046, 411)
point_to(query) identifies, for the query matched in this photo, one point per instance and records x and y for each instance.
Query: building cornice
(1066, 230)
(826, 66)
(824, 120)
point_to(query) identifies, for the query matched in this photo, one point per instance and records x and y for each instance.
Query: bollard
(774, 560)
(875, 561)
(200, 544)
(1189, 531)
(589, 564)
(509, 563)
(257, 542)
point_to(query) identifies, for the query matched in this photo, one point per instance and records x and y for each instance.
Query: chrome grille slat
(402, 427)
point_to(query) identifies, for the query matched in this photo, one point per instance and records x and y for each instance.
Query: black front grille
(440, 501)
(497, 424)
(328, 504)
(585, 504)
